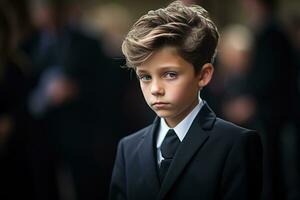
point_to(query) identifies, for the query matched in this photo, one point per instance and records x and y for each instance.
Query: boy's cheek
(147, 98)
(145, 94)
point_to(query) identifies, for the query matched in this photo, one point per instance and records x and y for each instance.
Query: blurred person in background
(15, 171)
(111, 22)
(272, 84)
(294, 30)
(227, 89)
(72, 101)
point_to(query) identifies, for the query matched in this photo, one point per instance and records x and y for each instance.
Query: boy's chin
(162, 114)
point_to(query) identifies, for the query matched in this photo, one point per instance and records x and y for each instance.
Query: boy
(187, 153)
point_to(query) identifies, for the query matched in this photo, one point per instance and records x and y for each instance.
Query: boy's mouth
(159, 104)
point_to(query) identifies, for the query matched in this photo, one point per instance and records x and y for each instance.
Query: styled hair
(187, 28)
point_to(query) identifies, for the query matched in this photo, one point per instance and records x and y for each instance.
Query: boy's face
(169, 84)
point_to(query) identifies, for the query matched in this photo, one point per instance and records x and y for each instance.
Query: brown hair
(188, 28)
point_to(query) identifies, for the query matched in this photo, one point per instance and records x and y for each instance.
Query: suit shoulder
(228, 134)
(136, 136)
(229, 128)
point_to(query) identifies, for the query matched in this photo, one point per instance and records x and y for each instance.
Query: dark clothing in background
(223, 88)
(15, 169)
(135, 113)
(272, 79)
(78, 134)
(273, 85)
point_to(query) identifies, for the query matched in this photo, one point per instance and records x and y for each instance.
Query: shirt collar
(182, 128)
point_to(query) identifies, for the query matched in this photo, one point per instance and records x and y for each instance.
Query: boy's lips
(159, 104)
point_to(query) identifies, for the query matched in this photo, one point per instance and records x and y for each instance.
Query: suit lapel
(195, 138)
(148, 161)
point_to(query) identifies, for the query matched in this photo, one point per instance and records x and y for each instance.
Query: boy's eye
(170, 75)
(144, 77)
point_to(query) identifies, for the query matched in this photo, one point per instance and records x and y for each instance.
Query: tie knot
(170, 144)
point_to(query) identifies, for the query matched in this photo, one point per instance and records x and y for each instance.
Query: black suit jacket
(217, 160)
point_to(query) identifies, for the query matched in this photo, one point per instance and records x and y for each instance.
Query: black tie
(168, 149)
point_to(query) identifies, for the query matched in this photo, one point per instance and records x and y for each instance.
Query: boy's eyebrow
(141, 71)
(162, 68)
(169, 67)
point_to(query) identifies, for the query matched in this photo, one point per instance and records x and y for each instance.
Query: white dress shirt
(181, 129)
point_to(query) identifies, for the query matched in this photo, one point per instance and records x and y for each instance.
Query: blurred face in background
(42, 14)
(235, 49)
(257, 11)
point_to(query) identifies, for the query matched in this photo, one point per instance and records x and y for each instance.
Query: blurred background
(65, 101)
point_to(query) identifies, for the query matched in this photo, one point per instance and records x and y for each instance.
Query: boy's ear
(205, 75)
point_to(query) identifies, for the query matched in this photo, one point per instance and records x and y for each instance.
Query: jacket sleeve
(242, 175)
(118, 180)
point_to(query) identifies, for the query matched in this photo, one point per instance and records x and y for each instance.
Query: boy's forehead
(163, 59)
(166, 56)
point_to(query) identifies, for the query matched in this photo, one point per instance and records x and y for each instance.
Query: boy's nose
(157, 89)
